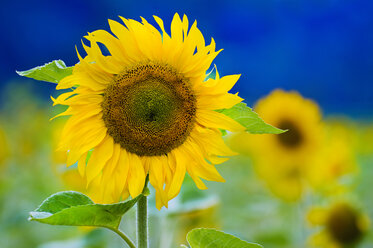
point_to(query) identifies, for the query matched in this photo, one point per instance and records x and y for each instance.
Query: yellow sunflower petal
(157, 179)
(211, 141)
(100, 155)
(190, 167)
(213, 119)
(136, 178)
(177, 29)
(203, 168)
(180, 163)
(112, 44)
(108, 175)
(121, 170)
(213, 102)
(128, 41)
(77, 139)
(83, 80)
(219, 85)
(82, 164)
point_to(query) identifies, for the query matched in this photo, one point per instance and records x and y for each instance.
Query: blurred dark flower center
(343, 225)
(293, 137)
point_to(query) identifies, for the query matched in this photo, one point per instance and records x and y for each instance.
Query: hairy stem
(142, 222)
(142, 217)
(124, 237)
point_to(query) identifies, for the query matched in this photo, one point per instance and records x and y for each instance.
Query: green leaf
(52, 72)
(249, 119)
(72, 208)
(204, 237)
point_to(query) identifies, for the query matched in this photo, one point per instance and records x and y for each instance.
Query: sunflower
(300, 116)
(343, 225)
(145, 108)
(283, 161)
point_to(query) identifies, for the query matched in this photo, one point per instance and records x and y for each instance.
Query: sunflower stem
(124, 237)
(142, 218)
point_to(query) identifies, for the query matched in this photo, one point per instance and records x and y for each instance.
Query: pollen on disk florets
(149, 109)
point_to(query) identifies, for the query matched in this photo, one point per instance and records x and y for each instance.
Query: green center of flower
(342, 225)
(153, 104)
(149, 109)
(293, 137)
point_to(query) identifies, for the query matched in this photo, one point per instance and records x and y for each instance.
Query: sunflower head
(300, 116)
(146, 109)
(344, 225)
(149, 109)
(285, 168)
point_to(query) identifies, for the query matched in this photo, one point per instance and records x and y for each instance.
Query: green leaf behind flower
(204, 237)
(249, 119)
(72, 208)
(52, 72)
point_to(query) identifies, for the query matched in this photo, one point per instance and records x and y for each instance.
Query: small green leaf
(72, 208)
(61, 200)
(204, 237)
(249, 119)
(52, 72)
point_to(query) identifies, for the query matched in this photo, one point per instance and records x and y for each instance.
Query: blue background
(322, 48)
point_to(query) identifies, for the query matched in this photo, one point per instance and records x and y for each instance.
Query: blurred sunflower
(343, 225)
(302, 118)
(283, 161)
(146, 109)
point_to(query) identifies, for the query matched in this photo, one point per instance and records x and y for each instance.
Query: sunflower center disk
(154, 105)
(149, 109)
(293, 137)
(343, 225)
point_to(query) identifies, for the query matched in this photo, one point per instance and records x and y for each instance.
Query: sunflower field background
(306, 66)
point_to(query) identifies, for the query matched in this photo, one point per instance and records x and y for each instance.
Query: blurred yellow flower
(145, 109)
(283, 160)
(342, 225)
(289, 110)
